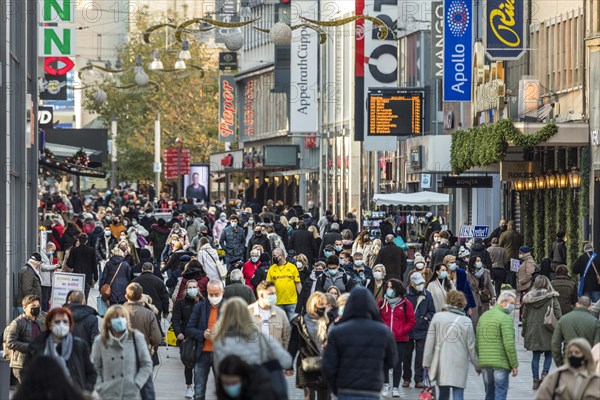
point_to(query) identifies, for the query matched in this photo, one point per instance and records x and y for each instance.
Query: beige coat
(525, 273)
(279, 326)
(567, 389)
(144, 320)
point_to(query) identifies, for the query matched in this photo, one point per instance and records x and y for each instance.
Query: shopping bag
(428, 392)
(398, 241)
(171, 337)
(101, 306)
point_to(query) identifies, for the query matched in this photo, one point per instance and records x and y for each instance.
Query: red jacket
(248, 271)
(401, 319)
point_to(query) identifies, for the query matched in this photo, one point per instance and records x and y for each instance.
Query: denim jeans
(495, 381)
(535, 363)
(457, 393)
(594, 296)
(201, 370)
(290, 310)
(355, 397)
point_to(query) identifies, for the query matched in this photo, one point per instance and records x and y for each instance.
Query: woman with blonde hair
(121, 357)
(309, 332)
(576, 378)
(318, 240)
(362, 244)
(236, 333)
(376, 286)
(373, 253)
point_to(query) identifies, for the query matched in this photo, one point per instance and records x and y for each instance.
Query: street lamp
(540, 182)
(563, 180)
(156, 64)
(185, 54)
(574, 178)
(518, 185)
(551, 180)
(530, 184)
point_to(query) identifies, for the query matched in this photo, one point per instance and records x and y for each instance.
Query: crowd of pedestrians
(257, 294)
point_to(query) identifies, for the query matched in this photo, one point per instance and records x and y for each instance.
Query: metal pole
(157, 165)
(114, 152)
(179, 177)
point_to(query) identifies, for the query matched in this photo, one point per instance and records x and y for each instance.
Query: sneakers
(396, 392)
(405, 384)
(189, 393)
(385, 392)
(536, 384)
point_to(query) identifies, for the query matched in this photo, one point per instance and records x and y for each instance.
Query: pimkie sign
(56, 40)
(227, 108)
(505, 35)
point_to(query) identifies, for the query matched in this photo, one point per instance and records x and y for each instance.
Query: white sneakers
(396, 392)
(385, 392)
(189, 393)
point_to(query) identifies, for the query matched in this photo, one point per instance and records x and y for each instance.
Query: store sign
(425, 181)
(58, 65)
(474, 231)
(489, 89)
(437, 38)
(227, 108)
(53, 87)
(505, 34)
(467, 182)
(376, 66)
(304, 68)
(58, 40)
(516, 170)
(458, 50)
(247, 122)
(45, 117)
(228, 61)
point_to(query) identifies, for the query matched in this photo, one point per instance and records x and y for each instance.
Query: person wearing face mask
(182, 312)
(131, 256)
(458, 276)
(29, 280)
(334, 275)
(272, 320)
(330, 238)
(121, 357)
(439, 285)
(377, 285)
(286, 278)
(420, 266)
(424, 307)
(238, 380)
(182, 235)
(22, 331)
(309, 332)
(441, 251)
(137, 235)
(525, 274)
(250, 267)
(309, 286)
(116, 227)
(46, 270)
(71, 352)
(576, 378)
(219, 226)
(103, 247)
(203, 232)
(232, 241)
(259, 238)
(495, 344)
(397, 312)
(356, 269)
(480, 282)
(328, 251)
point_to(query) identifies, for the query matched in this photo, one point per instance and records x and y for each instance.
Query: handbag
(275, 372)
(220, 267)
(550, 320)
(147, 391)
(101, 306)
(106, 288)
(428, 392)
(187, 352)
(312, 364)
(485, 295)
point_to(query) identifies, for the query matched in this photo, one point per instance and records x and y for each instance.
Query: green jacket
(579, 323)
(495, 340)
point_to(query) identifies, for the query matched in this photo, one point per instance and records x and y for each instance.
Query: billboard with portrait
(196, 185)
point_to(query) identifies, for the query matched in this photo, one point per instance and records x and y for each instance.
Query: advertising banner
(437, 38)
(62, 284)
(197, 184)
(227, 108)
(505, 34)
(458, 50)
(376, 66)
(304, 70)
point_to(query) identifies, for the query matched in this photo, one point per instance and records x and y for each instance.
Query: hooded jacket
(303, 242)
(525, 274)
(400, 318)
(424, 310)
(537, 336)
(158, 237)
(351, 225)
(351, 340)
(479, 250)
(86, 322)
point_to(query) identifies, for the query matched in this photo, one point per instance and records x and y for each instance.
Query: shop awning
(412, 199)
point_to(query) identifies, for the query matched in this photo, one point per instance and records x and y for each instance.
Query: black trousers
(46, 293)
(498, 276)
(400, 347)
(418, 346)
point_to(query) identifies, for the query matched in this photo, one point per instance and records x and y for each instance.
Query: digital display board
(395, 112)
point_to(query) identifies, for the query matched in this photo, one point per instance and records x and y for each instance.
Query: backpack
(259, 275)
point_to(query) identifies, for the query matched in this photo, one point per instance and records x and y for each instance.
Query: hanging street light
(156, 64)
(574, 178)
(185, 54)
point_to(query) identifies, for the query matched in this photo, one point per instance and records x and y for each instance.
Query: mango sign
(62, 284)
(58, 40)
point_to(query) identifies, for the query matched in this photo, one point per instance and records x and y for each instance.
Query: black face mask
(35, 311)
(575, 362)
(503, 227)
(275, 260)
(258, 233)
(321, 311)
(204, 233)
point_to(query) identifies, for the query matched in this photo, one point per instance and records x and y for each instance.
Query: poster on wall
(458, 50)
(197, 184)
(62, 284)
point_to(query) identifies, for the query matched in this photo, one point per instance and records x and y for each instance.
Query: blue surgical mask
(192, 292)
(479, 264)
(332, 272)
(390, 293)
(223, 219)
(341, 310)
(359, 263)
(234, 390)
(254, 260)
(509, 308)
(443, 275)
(119, 324)
(452, 267)
(234, 224)
(50, 252)
(338, 248)
(328, 254)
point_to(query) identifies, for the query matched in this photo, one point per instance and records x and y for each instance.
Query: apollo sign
(56, 40)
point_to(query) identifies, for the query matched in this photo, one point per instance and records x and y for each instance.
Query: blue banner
(458, 50)
(505, 29)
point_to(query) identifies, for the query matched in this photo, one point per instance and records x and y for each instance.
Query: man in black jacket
(352, 340)
(441, 251)
(237, 288)
(393, 258)
(330, 237)
(84, 316)
(82, 260)
(155, 288)
(303, 242)
(259, 238)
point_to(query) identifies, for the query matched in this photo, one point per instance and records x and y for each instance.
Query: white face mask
(271, 300)
(420, 287)
(378, 275)
(60, 330)
(419, 265)
(215, 300)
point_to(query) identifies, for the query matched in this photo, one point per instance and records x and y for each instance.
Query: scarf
(66, 347)
(393, 301)
(479, 272)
